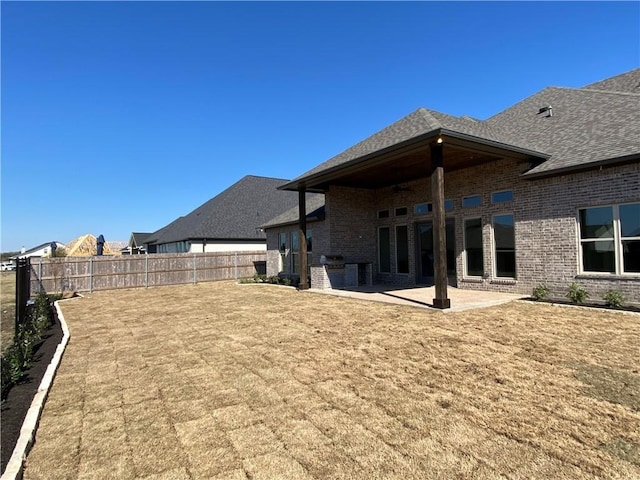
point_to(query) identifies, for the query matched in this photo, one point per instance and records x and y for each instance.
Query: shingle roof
(315, 211)
(420, 122)
(593, 124)
(587, 127)
(235, 214)
(138, 239)
(625, 82)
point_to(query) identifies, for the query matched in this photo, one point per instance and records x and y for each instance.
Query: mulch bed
(18, 401)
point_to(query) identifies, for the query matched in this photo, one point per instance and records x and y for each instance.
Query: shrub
(576, 293)
(18, 357)
(613, 299)
(541, 292)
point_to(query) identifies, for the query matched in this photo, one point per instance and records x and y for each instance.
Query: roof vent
(548, 110)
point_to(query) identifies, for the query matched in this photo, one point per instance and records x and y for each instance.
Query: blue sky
(122, 116)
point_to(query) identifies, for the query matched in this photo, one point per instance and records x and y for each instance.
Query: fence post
(146, 270)
(90, 274)
(42, 290)
(235, 266)
(195, 271)
(23, 286)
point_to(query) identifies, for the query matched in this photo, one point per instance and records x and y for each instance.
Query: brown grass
(233, 381)
(7, 307)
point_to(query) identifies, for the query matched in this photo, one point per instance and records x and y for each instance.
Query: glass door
(425, 267)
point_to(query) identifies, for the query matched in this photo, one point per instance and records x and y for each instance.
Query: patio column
(439, 230)
(302, 233)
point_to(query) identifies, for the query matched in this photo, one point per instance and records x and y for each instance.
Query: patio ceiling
(411, 161)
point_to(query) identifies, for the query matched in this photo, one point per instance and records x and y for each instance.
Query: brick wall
(545, 213)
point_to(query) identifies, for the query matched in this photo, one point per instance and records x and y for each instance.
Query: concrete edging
(15, 466)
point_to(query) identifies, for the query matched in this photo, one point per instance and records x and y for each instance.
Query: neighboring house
(136, 245)
(544, 192)
(43, 250)
(231, 221)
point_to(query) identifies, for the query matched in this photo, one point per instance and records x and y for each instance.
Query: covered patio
(418, 296)
(423, 145)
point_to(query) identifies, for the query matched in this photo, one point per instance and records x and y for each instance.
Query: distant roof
(138, 239)
(592, 125)
(315, 211)
(39, 247)
(235, 214)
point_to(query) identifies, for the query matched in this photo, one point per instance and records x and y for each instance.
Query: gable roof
(235, 214)
(315, 212)
(32, 250)
(421, 123)
(138, 239)
(590, 126)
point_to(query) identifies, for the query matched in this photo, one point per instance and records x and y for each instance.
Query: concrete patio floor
(423, 296)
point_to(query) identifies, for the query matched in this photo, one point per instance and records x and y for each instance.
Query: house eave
(583, 167)
(316, 181)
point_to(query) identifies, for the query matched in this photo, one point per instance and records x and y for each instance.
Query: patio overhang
(411, 160)
(427, 155)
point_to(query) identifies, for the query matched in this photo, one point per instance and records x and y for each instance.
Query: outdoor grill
(332, 261)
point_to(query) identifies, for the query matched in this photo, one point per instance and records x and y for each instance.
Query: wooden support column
(302, 233)
(439, 231)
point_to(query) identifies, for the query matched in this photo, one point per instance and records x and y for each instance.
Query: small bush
(576, 293)
(541, 292)
(613, 299)
(18, 357)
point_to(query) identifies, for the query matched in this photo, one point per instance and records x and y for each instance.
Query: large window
(610, 239)
(295, 252)
(474, 259)
(384, 250)
(504, 246)
(402, 249)
(309, 250)
(282, 247)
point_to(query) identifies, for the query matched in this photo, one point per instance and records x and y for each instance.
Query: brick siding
(545, 214)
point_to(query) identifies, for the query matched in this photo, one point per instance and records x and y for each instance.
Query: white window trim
(617, 243)
(388, 210)
(464, 248)
(395, 211)
(429, 206)
(471, 196)
(388, 227)
(494, 259)
(501, 191)
(395, 234)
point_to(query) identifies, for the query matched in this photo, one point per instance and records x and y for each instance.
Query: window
(295, 252)
(448, 205)
(504, 246)
(473, 201)
(610, 239)
(502, 197)
(384, 250)
(422, 208)
(383, 214)
(474, 259)
(402, 249)
(282, 248)
(309, 249)
(401, 211)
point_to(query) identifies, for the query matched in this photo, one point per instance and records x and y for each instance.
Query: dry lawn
(7, 307)
(225, 381)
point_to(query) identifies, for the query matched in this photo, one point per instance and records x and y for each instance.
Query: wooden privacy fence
(88, 274)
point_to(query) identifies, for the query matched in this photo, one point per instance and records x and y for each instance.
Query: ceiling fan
(400, 188)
